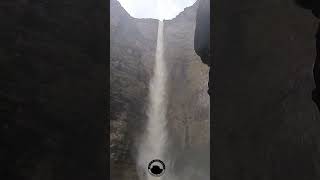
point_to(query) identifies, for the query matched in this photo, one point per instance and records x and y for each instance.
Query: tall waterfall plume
(155, 138)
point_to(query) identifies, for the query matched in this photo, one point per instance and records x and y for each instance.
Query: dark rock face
(316, 72)
(202, 31)
(52, 97)
(202, 38)
(265, 125)
(314, 6)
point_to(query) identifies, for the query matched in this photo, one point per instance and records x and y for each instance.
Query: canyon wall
(133, 45)
(265, 124)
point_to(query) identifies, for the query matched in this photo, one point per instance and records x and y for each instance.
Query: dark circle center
(156, 170)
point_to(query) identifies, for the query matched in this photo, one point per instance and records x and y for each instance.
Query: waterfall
(154, 140)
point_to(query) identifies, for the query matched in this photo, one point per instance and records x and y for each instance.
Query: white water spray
(154, 141)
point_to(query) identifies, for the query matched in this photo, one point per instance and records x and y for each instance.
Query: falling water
(154, 141)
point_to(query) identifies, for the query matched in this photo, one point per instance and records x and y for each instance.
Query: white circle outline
(161, 162)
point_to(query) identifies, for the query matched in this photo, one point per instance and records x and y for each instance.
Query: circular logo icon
(156, 168)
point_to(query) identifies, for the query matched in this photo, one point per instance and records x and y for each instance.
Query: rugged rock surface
(265, 125)
(132, 51)
(53, 67)
(133, 46)
(188, 111)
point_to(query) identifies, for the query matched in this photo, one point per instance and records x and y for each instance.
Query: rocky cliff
(188, 112)
(133, 45)
(52, 96)
(132, 51)
(265, 125)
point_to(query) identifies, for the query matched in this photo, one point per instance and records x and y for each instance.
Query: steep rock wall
(265, 125)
